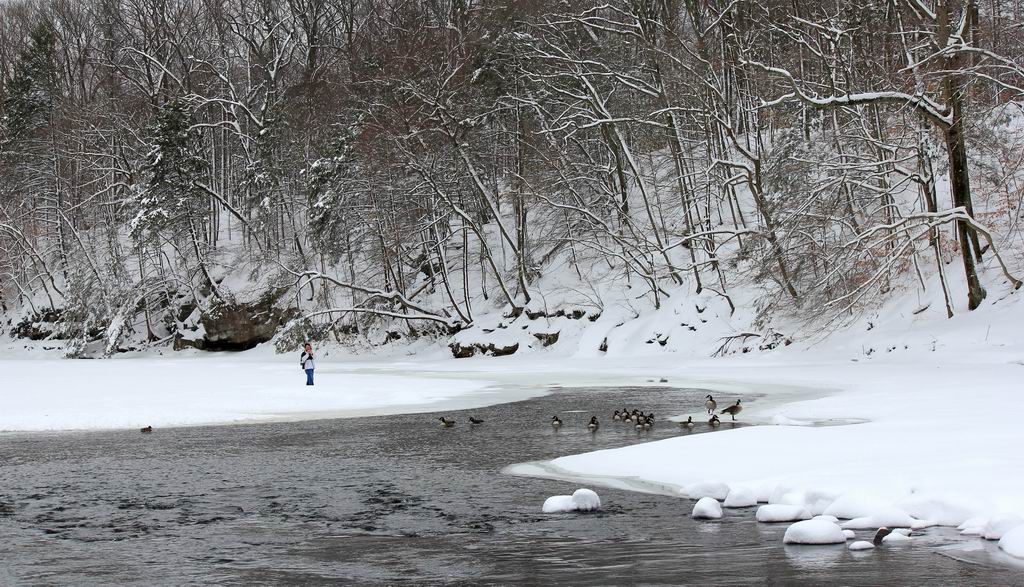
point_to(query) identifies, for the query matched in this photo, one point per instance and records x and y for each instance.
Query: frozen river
(396, 499)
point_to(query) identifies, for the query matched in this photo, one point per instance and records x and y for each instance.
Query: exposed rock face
(234, 326)
(547, 338)
(39, 326)
(464, 351)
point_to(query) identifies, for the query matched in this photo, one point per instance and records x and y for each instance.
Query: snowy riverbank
(61, 394)
(923, 419)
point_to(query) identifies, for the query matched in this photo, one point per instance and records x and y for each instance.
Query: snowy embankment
(910, 423)
(932, 436)
(60, 394)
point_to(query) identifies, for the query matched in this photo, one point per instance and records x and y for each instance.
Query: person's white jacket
(307, 360)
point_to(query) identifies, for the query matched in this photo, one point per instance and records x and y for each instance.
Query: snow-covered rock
(973, 526)
(707, 508)
(778, 512)
(974, 522)
(890, 516)
(558, 503)
(586, 500)
(999, 525)
(1012, 543)
(850, 534)
(582, 500)
(896, 537)
(714, 489)
(832, 519)
(814, 532)
(740, 497)
(861, 545)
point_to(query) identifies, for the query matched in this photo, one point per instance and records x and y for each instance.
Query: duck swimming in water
(714, 422)
(446, 423)
(688, 423)
(556, 422)
(473, 420)
(592, 426)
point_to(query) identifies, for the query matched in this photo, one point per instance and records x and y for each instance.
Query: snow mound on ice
(890, 516)
(848, 533)
(1012, 543)
(896, 537)
(814, 532)
(582, 500)
(861, 545)
(713, 489)
(1000, 525)
(707, 508)
(832, 519)
(973, 526)
(851, 505)
(780, 512)
(586, 500)
(940, 510)
(740, 497)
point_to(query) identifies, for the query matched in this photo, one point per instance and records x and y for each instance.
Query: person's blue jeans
(309, 377)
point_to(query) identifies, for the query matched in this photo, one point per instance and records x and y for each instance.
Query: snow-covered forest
(221, 173)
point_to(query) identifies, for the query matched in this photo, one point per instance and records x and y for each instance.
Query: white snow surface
(64, 394)
(861, 545)
(814, 532)
(706, 508)
(1012, 543)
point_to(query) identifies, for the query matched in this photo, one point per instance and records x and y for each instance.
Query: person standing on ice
(307, 362)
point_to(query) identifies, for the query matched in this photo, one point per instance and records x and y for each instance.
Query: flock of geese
(637, 418)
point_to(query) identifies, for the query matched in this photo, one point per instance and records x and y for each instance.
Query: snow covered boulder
(848, 533)
(582, 500)
(896, 537)
(713, 489)
(861, 545)
(999, 525)
(707, 508)
(1012, 543)
(890, 516)
(586, 500)
(740, 497)
(814, 532)
(779, 512)
(832, 519)
(558, 503)
(973, 526)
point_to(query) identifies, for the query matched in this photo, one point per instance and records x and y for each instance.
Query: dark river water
(399, 500)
